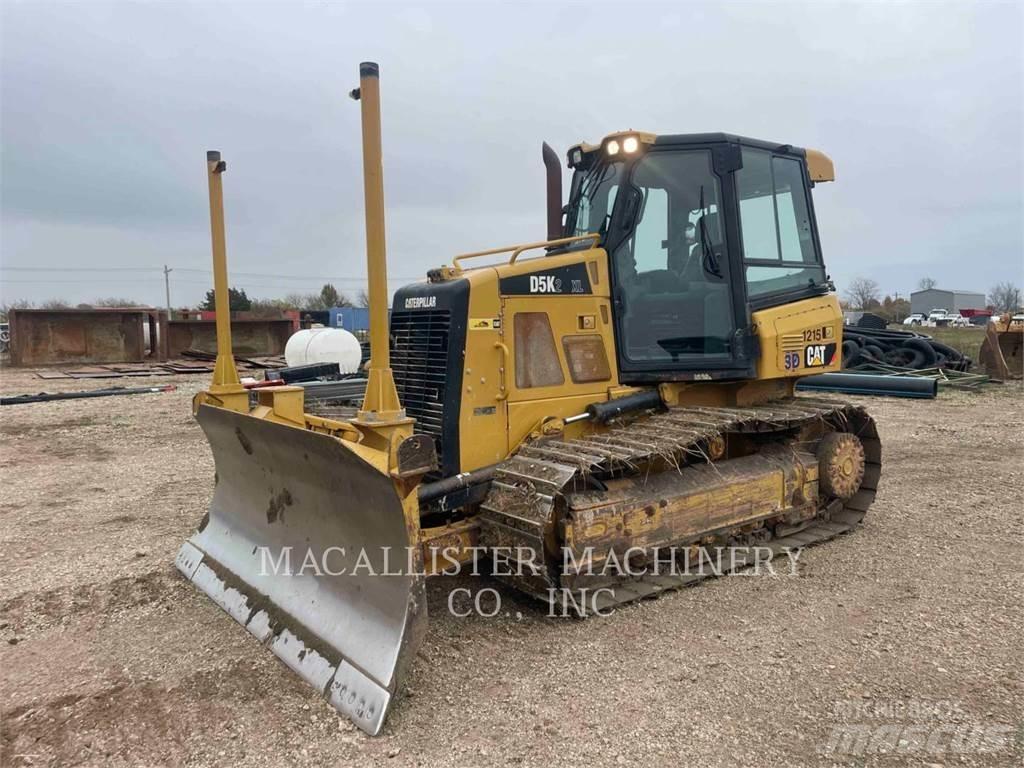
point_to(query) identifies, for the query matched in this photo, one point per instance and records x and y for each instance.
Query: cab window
(672, 270)
(775, 225)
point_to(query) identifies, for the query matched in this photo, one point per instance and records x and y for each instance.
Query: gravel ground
(108, 657)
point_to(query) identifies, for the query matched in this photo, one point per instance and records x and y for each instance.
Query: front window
(592, 199)
(775, 225)
(672, 270)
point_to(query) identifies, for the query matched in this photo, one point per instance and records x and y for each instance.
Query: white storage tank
(324, 345)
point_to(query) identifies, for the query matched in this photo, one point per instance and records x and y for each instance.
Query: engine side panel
(799, 339)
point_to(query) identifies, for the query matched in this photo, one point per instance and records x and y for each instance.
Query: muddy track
(528, 494)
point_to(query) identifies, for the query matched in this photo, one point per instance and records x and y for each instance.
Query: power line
(232, 275)
(335, 278)
(79, 269)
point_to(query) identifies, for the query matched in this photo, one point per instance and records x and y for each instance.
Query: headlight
(613, 147)
(630, 144)
(577, 156)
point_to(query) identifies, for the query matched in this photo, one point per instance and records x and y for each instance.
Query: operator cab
(700, 229)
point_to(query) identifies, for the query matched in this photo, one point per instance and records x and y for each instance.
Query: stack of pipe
(865, 348)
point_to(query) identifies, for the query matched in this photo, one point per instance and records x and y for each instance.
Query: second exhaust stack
(381, 402)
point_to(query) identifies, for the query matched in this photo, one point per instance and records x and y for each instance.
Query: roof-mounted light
(630, 144)
(612, 147)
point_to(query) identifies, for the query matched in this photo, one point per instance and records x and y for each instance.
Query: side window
(757, 207)
(775, 224)
(796, 243)
(537, 362)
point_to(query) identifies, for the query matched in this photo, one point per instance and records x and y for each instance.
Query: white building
(952, 301)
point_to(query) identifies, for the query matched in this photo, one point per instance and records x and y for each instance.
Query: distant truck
(941, 318)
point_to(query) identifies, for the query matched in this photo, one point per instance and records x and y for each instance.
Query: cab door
(678, 291)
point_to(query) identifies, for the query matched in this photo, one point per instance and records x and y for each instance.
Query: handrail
(506, 361)
(518, 249)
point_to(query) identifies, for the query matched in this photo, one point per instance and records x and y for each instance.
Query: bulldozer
(587, 411)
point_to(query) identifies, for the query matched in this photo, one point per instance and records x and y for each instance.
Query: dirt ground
(108, 657)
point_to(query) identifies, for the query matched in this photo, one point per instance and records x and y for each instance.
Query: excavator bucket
(310, 546)
(1002, 351)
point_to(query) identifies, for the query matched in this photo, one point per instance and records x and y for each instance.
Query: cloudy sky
(107, 111)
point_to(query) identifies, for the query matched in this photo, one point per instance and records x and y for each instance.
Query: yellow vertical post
(381, 402)
(226, 385)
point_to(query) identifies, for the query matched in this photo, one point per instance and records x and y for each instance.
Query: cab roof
(819, 165)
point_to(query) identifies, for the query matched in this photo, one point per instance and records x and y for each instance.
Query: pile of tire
(867, 348)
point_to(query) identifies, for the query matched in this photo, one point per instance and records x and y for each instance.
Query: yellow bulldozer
(573, 408)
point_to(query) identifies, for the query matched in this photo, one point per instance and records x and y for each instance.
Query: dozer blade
(1002, 351)
(305, 545)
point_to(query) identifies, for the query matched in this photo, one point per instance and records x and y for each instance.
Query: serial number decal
(818, 334)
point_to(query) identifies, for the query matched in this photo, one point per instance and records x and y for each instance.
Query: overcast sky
(108, 110)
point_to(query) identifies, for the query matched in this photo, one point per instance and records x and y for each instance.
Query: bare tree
(6, 307)
(862, 293)
(926, 283)
(299, 300)
(363, 298)
(1005, 297)
(55, 304)
(114, 301)
(267, 308)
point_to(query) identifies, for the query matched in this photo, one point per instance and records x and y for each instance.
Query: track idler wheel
(840, 465)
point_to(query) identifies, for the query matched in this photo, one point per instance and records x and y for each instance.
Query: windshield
(593, 195)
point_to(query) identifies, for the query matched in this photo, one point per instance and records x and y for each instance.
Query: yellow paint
(786, 329)
(380, 403)
(819, 166)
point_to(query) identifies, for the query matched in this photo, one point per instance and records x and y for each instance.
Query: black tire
(905, 357)
(925, 348)
(851, 351)
(875, 352)
(946, 350)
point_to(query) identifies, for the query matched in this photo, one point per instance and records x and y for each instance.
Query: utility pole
(167, 289)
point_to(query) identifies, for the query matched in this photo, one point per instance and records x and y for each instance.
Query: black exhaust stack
(554, 186)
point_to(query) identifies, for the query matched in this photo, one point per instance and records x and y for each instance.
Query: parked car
(915, 319)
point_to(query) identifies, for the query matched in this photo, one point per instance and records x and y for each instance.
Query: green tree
(894, 309)
(329, 296)
(237, 301)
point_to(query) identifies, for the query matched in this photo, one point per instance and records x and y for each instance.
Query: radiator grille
(419, 360)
